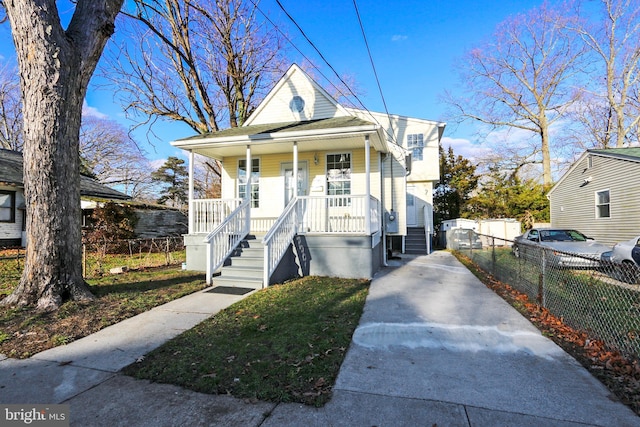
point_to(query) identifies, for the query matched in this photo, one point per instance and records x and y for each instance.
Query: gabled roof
(11, 173)
(625, 153)
(290, 83)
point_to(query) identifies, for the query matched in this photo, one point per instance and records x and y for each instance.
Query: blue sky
(414, 45)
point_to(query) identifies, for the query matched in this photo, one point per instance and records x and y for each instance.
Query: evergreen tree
(457, 181)
(173, 174)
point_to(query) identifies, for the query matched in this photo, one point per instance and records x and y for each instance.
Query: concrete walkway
(434, 347)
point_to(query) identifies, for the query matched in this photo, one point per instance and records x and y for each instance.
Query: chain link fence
(589, 293)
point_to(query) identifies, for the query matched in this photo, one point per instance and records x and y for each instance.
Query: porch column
(191, 187)
(367, 184)
(295, 169)
(248, 169)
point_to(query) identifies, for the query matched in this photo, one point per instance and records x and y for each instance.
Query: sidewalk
(434, 347)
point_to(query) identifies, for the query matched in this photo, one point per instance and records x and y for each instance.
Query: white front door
(412, 220)
(287, 173)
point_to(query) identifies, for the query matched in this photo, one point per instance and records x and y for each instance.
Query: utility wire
(373, 66)
(390, 134)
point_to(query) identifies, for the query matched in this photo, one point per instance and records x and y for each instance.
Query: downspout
(383, 225)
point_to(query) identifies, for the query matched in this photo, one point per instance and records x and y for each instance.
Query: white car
(625, 258)
(627, 252)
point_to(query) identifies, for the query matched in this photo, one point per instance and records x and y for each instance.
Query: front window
(603, 206)
(7, 206)
(255, 181)
(415, 143)
(339, 176)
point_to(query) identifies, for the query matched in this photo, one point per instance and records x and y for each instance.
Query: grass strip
(25, 331)
(283, 344)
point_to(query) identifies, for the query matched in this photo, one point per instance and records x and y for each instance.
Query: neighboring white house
(600, 195)
(329, 186)
(12, 204)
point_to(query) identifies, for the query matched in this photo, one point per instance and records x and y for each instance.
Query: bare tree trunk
(55, 68)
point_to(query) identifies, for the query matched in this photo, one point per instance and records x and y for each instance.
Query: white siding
(13, 230)
(573, 200)
(395, 192)
(316, 103)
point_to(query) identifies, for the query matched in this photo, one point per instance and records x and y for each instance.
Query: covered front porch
(311, 202)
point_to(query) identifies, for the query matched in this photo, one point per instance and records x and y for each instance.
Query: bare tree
(108, 152)
(522, 78)
(11, 136)
(55, 66)
(614, 38)
(202, 63)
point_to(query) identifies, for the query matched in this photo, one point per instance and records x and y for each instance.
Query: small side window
(603, 204)
(7, 206)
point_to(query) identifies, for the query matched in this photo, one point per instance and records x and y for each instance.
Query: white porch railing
(337, 214)
(222, 241)
(209, 213)
(277, 240)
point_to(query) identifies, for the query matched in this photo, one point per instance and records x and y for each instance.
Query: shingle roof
(271, 128)
(11, 174)
(629, 153)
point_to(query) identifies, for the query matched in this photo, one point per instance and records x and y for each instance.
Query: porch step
(415, 242)
(245, 267)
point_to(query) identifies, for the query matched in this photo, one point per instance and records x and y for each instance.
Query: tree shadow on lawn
(125, 284)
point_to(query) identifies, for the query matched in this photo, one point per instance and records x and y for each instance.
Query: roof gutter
(275, 137)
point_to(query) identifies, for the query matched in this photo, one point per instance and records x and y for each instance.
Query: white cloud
(398, 37)
(465, 148)
(92, 111)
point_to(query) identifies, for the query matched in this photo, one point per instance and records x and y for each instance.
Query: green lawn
(283, 344)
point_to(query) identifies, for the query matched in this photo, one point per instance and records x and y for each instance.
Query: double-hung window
(339, 177)
(255, 181)
(415, 143)
(7, 206)
(603, 204)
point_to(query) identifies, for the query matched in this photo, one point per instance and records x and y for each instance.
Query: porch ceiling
(332, 134)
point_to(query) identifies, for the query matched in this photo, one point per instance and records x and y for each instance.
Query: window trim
(350, 180)
(12, 207)
(420, 147)
(255, 183)
(598, 205)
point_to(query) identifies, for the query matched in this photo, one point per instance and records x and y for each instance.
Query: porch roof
(311, 135)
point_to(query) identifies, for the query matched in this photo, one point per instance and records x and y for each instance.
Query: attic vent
(590, 162)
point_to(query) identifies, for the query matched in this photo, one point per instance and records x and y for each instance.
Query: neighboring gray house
(600, 195)
(12, 205)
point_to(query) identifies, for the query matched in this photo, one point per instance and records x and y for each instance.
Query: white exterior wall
(424, 173)
(276, 108)
(13, 230)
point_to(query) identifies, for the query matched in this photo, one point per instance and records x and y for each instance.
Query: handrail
(278, 238)
(222, 241)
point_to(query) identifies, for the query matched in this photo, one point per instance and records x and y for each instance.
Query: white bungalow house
(599, 195)
(330, 189)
